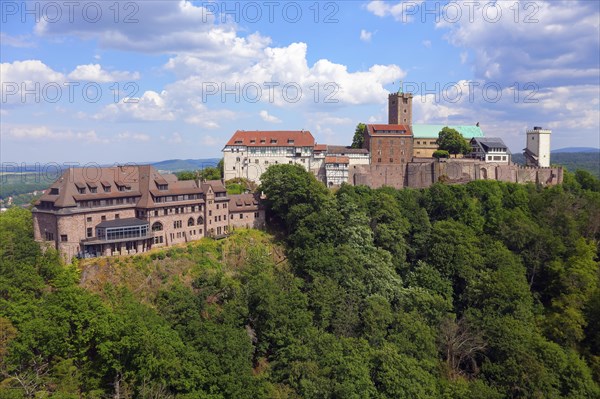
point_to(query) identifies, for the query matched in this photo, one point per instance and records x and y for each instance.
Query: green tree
(292, 193)
(452, 141)
(359, 136)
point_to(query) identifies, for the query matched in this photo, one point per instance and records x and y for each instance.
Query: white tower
(537, 152)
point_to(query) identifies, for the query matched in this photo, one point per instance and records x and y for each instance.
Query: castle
(126, 210)
(398, 154)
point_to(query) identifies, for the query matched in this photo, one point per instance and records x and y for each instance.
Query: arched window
(200, 220)
(190, 221)
(157, 226)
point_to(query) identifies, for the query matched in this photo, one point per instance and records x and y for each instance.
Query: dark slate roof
(491, 142)
(127, 222)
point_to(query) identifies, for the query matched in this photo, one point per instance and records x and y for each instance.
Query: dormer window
(54, 191)
(273, 141)
(163, 187)
(80, 187)
(263, 141)
(239, 142)
(253, 141)
(290, 141)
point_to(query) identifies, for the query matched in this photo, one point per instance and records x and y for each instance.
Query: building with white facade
(537, 152)
(490, 149)
(248, 154)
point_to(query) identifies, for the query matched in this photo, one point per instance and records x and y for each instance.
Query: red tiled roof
(404, 130)
(337, 160)
(275, 138)
(320, 147)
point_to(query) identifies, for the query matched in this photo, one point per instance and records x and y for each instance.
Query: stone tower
(537, 152)
(400, 108)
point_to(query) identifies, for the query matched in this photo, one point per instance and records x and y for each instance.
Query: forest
(485, 290)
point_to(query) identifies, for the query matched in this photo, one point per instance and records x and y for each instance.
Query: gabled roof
(424, 131)
(67, 188)
(389, 130)
(272, 138)
(343, 150)
(141, 181)
(244, 202)
(490, 142)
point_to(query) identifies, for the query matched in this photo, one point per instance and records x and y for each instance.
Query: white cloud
(127, 136)
(269, 118)
(203, 50)
(20, 41)
(427, 43)
(211, 141)
(365, 36)
(403, 11)
(21, 132)
(323, 84)
(151, 106)
(507, 51)
(22, 82)
(175, 138)
(95, 73)
(29, 71)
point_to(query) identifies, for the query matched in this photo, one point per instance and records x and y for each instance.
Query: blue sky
(154, 72)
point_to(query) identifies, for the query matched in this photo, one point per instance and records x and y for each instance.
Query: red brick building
(389, 144)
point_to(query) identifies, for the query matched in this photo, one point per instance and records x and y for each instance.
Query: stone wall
(423, 173)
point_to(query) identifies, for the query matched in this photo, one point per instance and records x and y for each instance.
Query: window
(155, 213)
(217, 206)
(81, 190)
(200, 220)
(49, 236)
(89, 219)
(103, 218)
(224, 206)
(190, 221)
(89, 232)
(391, 159)
(64, 238)
(106, 189)
(231, 217)
(241, 216)
(209, 213)
(117, 216)
(379, 160)
(256, 215)
(93, 190)
(54, 191)
(177, 224)
(157, 226)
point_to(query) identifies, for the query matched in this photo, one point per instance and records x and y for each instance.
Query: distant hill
(177, 165)
(575, 149)
(589, 161)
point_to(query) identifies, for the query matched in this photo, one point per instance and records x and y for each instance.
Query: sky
(141, 81)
